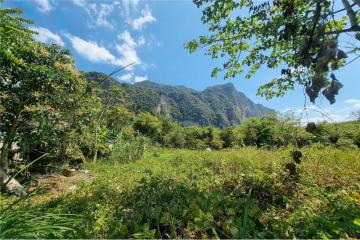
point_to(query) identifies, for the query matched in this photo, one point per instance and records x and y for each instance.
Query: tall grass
(26, 221)
(128, 150)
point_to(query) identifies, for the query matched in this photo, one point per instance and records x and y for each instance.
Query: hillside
(220, 105)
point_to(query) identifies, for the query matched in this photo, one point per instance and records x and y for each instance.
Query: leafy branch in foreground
(307, 40)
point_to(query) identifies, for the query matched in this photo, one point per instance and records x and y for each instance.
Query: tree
(175, 138)
(266, 131)
(12, 27)
(195, 137)
(109, 99)
(168, 126)
(39, 87)
(118, 117)
(228, 137)
(148, 125)
(211, 137)
(302, 35)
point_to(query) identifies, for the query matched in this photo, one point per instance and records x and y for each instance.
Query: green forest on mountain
(83, 156)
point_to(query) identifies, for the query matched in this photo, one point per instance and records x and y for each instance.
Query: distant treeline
(271, 131)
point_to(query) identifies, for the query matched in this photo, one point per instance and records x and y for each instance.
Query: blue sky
(105, 34)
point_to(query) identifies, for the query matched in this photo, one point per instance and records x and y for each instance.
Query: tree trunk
(12, 186)
(97, 130)
(4, 155)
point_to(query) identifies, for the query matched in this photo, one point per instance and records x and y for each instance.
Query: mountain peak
(224, 86)
(219, 105)
(227, 88)
(147, 83)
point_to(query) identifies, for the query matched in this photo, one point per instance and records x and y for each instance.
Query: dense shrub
(270, 131)
(228, 137)
(175, 139)
(149, 125)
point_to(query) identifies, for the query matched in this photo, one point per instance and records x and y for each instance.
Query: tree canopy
(40, 90)
(306, 40)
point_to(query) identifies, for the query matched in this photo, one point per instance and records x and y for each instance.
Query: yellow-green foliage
(227, 194)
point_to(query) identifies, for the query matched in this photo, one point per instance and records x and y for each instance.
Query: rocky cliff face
(220, 105)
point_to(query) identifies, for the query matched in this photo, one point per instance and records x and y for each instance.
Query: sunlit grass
(200, 194)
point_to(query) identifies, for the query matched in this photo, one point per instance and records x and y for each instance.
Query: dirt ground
(56, 183)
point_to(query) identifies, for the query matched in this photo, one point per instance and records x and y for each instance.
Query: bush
(357, 140)
(228, 137)
(175, 138)
(128, 149)
(199, 145)
(148, 125)
(269, 131)
(216, 144)
(346, 144)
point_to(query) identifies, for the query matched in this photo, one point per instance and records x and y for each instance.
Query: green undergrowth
(244, 193)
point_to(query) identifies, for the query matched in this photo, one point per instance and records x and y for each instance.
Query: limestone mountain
(220, 105)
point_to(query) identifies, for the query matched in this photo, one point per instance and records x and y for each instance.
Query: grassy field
(226, 194)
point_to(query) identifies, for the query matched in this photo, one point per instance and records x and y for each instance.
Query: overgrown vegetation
(151, 176)
(245, 193)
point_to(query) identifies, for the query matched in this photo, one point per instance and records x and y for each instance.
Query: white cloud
(146, 17)
(46, 36)
(128, 4)
(43, 5)
(99, 13)
(127, 39)
(146, 66)
(331, 118)
(315, 113)
(140, 78)
(80, 3)
(126, 77)
(127, 49)
(132, 78)
(93, 52)
(141, 41)
(355, 103)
